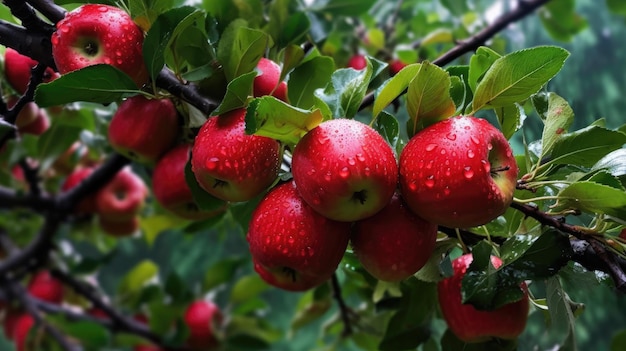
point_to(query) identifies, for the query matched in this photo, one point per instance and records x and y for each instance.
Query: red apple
(202, 318)
(472, 325)
(27, 115)
(17, 68)
(396, 66)
(66, 162)
(10, 319)
(230, 164)
(45, 287)
(23, 324)
(170, 188)
(143, 129)
(88, 204)
(99, 34)
(357, 62)
(345, 170)
(39, 125)
(394, 243)
(147, 347)
(459, 172)
(119, 228)
(122, 198)
(267, 82)
(292, 246)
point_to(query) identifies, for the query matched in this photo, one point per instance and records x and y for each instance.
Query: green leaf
(307, 78)
(273, 118)
(562, 320)
(137, 277)
(98, 83)
(395, 87)
(510, 118)
(240, 48)
(593, 197)
(614, 162)
(387, 125)
(344, 7)
(616, 6)
(559, 116)
(344, 93)
(450, 342)
(154, 225)
(618, 341)
(560, 19)
(313, 305)
(220, 273)
(54, 142)
(428, 98)
(204, 200)
(516, 76)
(246, 342)
(91, 335)
(586, 146)
(237, 93)
(247, 288)
(480, 62)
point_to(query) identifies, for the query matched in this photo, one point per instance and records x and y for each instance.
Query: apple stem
(496, 170)
(360, 196)
(290, 272)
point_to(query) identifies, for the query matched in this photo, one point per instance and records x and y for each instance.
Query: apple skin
(230, 164)
(393, 244)
(357, 62)
(292, 246)
(447, 172)
(99, 34)
(23, 324)
(472, 325)
(345, 170)
(119, 228)
(146, 347)
(170, 187)
(88, 204)
(17, 68)
(143, 129)
(28, 113)
(39, 125)
(267, 82)
(45, 287)
(396, 66)
(202, 317)
(122, 198)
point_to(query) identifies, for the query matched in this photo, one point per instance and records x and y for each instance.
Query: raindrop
(351, 161)
(446, 191)
(475, 140)
(327, 176)
(344, 173)
(360, 157)
(291, 239)
(430, 181)
(311, 172)
(489, 146)
(367, 171)
(486, 166)
(412, 186)
(212, 163)
(470, 153)
(443, 151)
(431, 147)
(451, 136)
(468, 173)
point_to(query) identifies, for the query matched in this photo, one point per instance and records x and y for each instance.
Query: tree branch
(28, 17)
(187, 92)
(34, 45)
(49, 9)
(343, 308)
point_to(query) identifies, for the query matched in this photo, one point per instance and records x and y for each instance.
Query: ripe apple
(23, 324)
(267, 82)
(202, 318)
(143, 129)
(88, 204)
(394, 243)
(357, 61)
(147, 347)
(459, 172)
(17, 68)
(45, 287)
(396, 66)
(39, 125)
(27, 115)
(292, 246)
(170, 188)
(122, 198)
(472, 325)
(230, 164)
(345, 170)
(119, 228)
(99, 34)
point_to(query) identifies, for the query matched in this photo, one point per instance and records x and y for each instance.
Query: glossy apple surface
(472, 325)
(459, 172)
(357, 62)
(45, 287)
(394, 243)
(17, 69)
(230, 164)
(267, 81)
(144, 129)
(99, 34)
(202, 317)
(292, 246)
(122, 198)
(345, 170)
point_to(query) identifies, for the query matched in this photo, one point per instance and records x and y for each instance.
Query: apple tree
(301, 175)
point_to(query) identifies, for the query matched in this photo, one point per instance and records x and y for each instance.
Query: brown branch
(28, 16)
(34, 45)
(343, 308)
(187, 92)
(49, 9)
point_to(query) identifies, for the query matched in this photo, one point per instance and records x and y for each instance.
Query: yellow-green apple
(17, 69)
(394, 243)
(292, 246)
(45, 287)
(230, 164)
(472, 325)
(202, 318)
(267, 81)
(143, 129)
(118, 227)
(170, 187)
(88, 204)
(345, 170)
(23, 324)
(357, 61)
(99, 34)
(122, 197)
(459, 172)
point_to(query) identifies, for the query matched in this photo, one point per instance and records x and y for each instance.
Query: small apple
(458, 173)
(17, 68)
(67, 161)
(99, 34)
(202, 318)
(27, 115)
(170, 187)
(119, 228)
(396, 66)
(267, 82)
(357, 61)
(472, 325)
(23, 324)
(122, 198)
(230, 164)
(45, 287)
(143, 129)
(394, 243)
(88, 204)
(292, 246)
(345, 170)
(39, 125)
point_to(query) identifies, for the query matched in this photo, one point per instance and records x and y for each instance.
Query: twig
(27, 16)
(49, 9)
(34, 45)
(343, 308)
(187, 92)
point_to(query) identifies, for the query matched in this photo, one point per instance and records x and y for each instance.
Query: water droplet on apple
(367, 171)
(322, 140)
(486, 166)
(351, 161)
(430, 164)
(446, 191)
(328, 176)
(468, 173)
(474, 140)
(508, 153)
(107, 60)
(431, 147)
(65, 29)
(311, 172)
(412, 186)
(360, 157)
(489, 146)
(227, 164)
(448, 172)
(212, 163)
(443, 151)
(268, 240)
(291, 239)
(451, 136)
(430, 181)
(344, 173)
(470, 153)
(311, 251)
(103, 9)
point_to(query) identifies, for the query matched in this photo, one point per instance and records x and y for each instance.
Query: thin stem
(343, 308)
